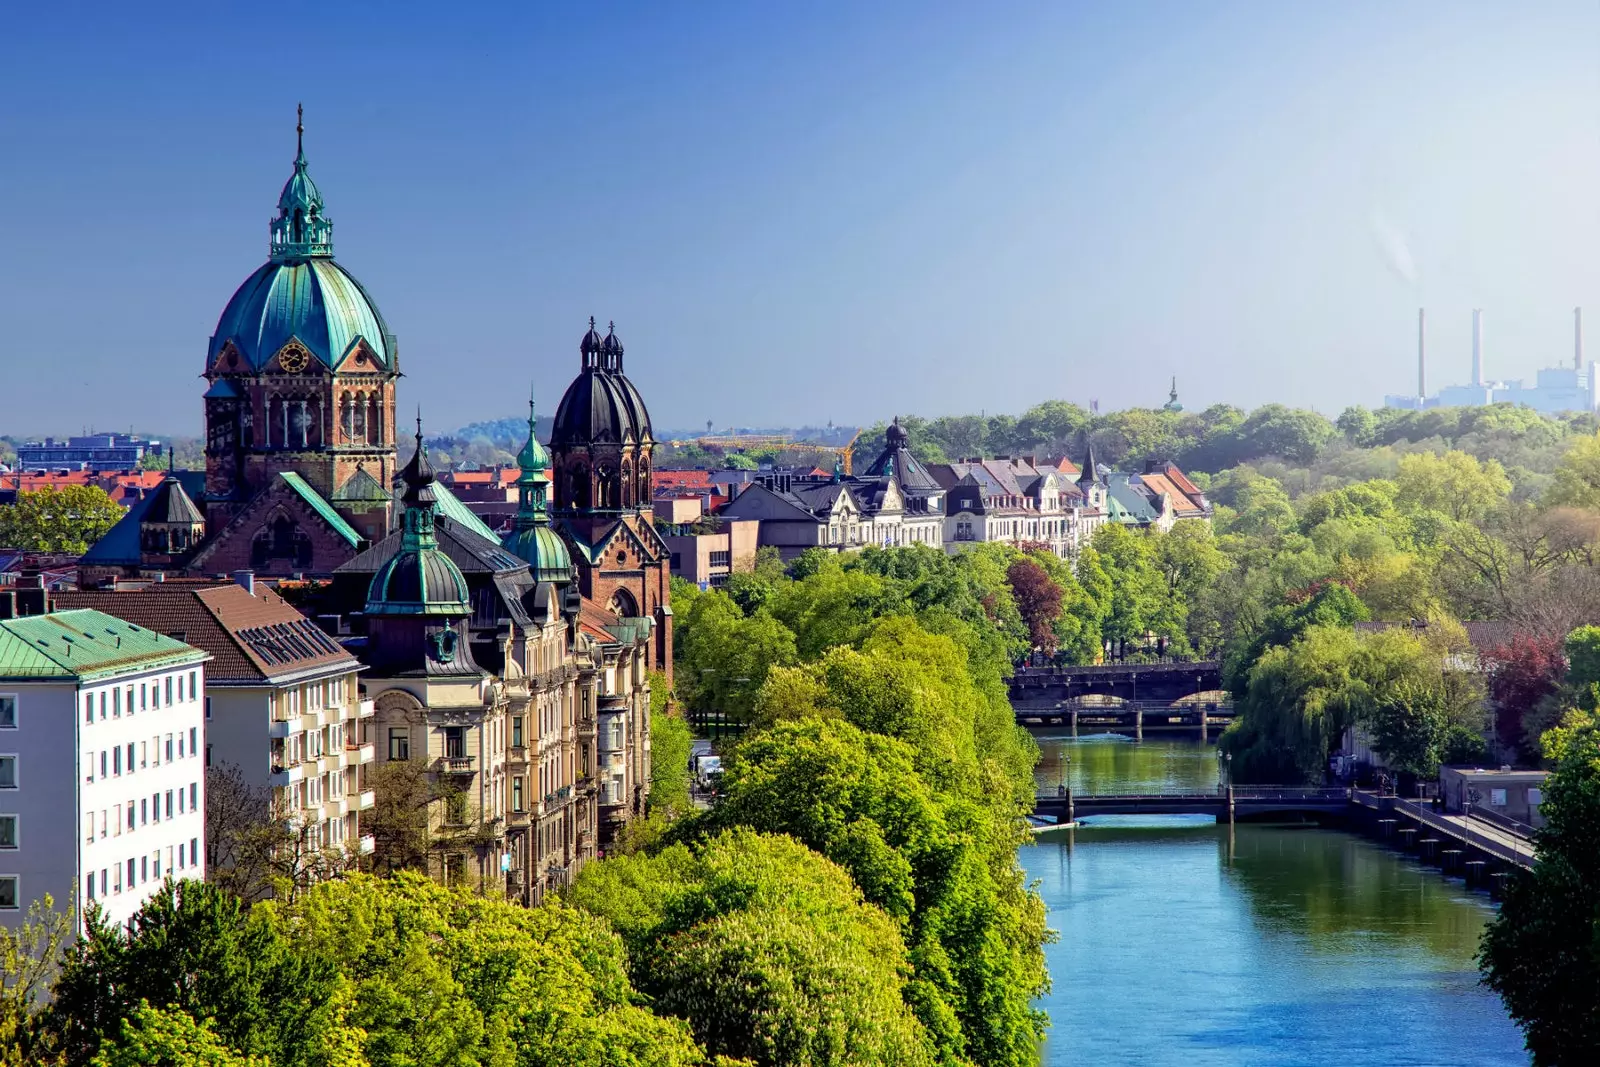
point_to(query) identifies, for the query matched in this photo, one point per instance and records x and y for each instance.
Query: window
(399, 743)
(180, 746)
(143, 698)
(102, 705)
(116, 703)
(144, 811)
(8, 772)
(155, 865)
(208, 755)
(169, 690)
(88, 886)
(516, 793)
(516, 731)
(194, 851)
(194, 733)
(169, 803)
(1497, 798)
(8, 892)
(88, 707)
(208, 708)
(8, 831)
(194, 796)
(194, 689)
(144, 867)
(169, 748)
(144, 754)
(132, 870)
(130, 816)
(1535, 796)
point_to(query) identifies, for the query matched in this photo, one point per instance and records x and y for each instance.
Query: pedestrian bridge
(1226, 803)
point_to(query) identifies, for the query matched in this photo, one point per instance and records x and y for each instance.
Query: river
(1186, 943)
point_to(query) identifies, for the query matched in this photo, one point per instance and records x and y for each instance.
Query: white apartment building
(282, 701)
(102, 775)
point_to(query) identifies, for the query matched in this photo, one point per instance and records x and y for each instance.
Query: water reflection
(1184, 942)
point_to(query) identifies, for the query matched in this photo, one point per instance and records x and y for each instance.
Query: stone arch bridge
(1124, 698)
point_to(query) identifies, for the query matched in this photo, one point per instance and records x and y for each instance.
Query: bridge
(1226, 803)
(1126, 698)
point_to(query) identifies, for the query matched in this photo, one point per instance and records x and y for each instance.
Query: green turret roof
(420, 579)
(301, 230)
(531, 539)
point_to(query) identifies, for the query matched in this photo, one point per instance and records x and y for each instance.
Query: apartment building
(282, 699)
(102, 780)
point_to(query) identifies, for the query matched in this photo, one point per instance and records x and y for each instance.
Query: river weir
(1193, 943)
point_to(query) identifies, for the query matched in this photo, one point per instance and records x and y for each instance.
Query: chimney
(31, 596)
(1477, 346)
(246, 580)
(1422, 356)
(1577, 338)
(8, 604)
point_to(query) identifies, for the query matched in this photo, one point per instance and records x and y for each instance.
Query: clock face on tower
(293, 360)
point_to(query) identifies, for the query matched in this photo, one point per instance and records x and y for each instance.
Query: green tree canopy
(67, 519)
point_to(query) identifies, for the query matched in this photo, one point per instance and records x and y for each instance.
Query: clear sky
(805, 211)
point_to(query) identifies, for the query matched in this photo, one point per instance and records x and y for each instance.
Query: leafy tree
(1542, 952)
(1357, 425)
(1524, 674)
(1454, 484)
(400, 821)
(765, 948)
(1583, 664)
(29, 955)
(1576, 480)
(934, 863)
(67, 519)
(156, 1037)
(1038, 600)
(670, 745)
(724, 655)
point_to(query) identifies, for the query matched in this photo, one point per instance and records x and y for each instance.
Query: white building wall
(140, 778)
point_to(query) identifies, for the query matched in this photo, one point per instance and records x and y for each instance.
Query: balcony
(365, 710)
(365, 845)
(357, 755)
(281, 728)
(455, 764)
(517, 754)
(365, 800)
(282, 776)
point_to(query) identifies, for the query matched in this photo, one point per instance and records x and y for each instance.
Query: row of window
(146, 809)
(115, 762)
(140, 871)
(151, 696)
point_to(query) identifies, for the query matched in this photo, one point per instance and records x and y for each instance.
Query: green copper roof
(459, 513)
(531, 539)
(301, 230)
(313, 301)
(86, 645)
(321, 506)
(420, 579)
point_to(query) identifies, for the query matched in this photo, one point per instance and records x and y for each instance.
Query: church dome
(419, 579)
(300, 293)
(601, 405)
(313, 301)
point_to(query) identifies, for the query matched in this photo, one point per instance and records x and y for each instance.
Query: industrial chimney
(1477, 346)
(1422, 356)
(1577, 339)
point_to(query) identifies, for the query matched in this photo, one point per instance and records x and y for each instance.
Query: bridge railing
(1252, 792)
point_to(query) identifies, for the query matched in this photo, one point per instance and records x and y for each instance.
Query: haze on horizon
(828, 211)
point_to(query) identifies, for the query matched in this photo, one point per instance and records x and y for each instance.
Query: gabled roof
(324, 509)
(170, 504)
(86, 645)
(361, 486)
(251, 638)
(121, 544)
(469, 550)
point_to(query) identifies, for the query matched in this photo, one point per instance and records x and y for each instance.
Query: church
(510, 670)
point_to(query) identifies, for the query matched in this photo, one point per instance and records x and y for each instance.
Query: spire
(1090, 472)
(589, 347)
(533, 483)
(1172, 400)
(419, 498)
(300, 230)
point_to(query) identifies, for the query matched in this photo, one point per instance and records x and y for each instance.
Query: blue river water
(1185, 943)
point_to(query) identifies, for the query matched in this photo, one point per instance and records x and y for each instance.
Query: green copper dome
(531, 539)
(419, 579)
(300, 293)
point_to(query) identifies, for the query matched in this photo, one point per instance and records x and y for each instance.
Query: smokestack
(1477, 346)
(1422, 356)
(1577, 339)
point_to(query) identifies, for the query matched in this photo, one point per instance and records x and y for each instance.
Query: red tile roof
(257, 638)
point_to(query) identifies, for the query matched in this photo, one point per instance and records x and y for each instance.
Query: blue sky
(810, 211)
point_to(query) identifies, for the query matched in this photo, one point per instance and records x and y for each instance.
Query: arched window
(623, 605)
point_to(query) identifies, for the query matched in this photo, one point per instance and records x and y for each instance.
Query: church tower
(301, 374)
(601, 449)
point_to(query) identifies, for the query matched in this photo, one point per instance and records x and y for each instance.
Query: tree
(1038, 599)
(30, 952)
(67, 519)
(400, 820)
(155, 1037)
(1576, 481)
(1454, 484)
(257, 850)
(1524, 673)
(670, 744)
(974, 932)
(766, 949)
(1542, 952)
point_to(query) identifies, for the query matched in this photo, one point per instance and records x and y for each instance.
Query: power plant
(1555, 389)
